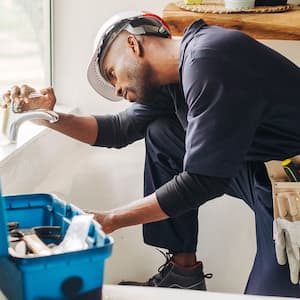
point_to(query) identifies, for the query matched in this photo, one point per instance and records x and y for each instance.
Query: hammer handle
(36, 245)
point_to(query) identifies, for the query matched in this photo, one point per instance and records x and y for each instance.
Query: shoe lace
(161, 270)
(157, 277)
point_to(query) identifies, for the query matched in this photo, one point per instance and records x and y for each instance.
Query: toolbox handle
(3, 228)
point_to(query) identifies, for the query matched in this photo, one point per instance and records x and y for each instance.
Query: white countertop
(28, 133)
(117, 292)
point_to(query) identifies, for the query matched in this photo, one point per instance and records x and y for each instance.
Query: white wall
(76, 25)
(103, 178)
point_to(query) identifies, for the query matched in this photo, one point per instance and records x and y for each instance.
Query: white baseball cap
(137, 23)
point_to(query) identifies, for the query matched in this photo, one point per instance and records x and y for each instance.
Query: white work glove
(287, 245)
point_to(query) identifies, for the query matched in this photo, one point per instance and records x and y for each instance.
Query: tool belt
(286, 194)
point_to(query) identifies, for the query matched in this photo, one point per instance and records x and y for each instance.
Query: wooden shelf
(270, 26)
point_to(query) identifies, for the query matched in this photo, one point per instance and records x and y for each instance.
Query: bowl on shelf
(239, 4)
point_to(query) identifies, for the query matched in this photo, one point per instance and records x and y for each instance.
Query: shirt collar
(189, 34)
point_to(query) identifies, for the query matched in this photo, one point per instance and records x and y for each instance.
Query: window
(25, 39)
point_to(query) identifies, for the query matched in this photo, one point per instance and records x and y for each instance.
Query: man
(212, 109)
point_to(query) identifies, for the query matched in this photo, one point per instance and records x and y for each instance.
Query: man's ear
(134, 45)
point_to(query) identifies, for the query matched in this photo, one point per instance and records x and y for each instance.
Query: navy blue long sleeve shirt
(237, 101)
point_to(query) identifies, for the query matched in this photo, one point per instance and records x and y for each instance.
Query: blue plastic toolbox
(72, 275)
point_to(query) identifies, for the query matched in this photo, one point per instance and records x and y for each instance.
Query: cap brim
(98, 83)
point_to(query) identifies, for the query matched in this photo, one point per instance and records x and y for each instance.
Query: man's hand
(20, 98)
(6, 100)
(142, 211)
(105, 218)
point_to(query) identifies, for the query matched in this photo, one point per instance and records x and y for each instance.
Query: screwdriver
(291, 170)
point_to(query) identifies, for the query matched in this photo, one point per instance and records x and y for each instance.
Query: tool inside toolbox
(47, 236)
(49, 240)
(44, 225)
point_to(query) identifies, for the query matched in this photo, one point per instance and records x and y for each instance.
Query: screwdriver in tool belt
(291, 170)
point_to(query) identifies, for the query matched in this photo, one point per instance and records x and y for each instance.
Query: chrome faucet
(20, 118)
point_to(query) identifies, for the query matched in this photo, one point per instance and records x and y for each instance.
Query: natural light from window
(25, 52)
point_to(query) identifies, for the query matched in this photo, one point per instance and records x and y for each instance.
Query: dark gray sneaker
(172, 276)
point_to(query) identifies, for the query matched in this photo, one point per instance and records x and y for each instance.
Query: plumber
(212, 108)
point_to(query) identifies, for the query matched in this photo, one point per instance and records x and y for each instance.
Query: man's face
(130, 75)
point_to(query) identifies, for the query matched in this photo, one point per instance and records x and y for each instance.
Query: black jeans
(165, 149)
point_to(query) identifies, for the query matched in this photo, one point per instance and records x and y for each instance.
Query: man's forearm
(183, 193)
(82, 128)
(142, 211)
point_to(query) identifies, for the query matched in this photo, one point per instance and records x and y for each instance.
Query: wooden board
(271, 26)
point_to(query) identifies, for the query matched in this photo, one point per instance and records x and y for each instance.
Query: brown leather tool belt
(286, 194)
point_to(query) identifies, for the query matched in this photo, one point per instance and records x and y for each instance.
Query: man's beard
(144, 88)
(146, 93)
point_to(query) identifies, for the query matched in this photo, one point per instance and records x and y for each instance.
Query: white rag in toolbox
(76, 236)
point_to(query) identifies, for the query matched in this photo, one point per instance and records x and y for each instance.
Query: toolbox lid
(3, 228)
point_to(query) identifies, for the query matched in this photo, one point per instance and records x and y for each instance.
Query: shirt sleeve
(188, 191)
(224, 111)
(128, 126)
